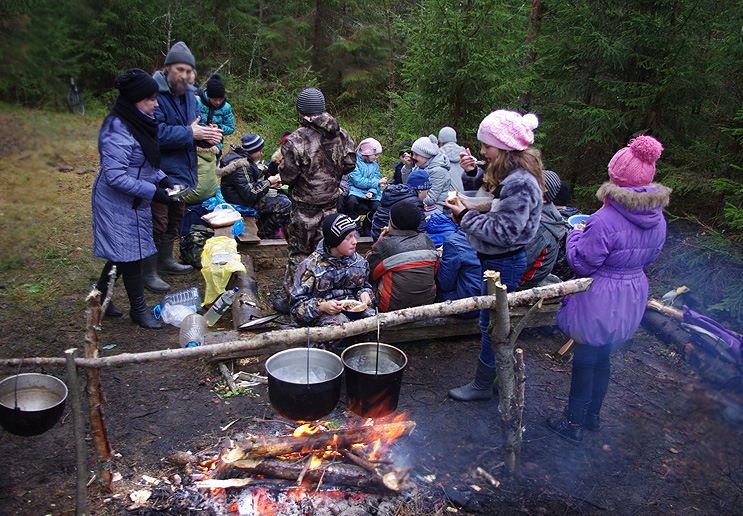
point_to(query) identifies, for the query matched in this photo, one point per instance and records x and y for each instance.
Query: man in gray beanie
(316, 156)
(178, 128)
(449, 146)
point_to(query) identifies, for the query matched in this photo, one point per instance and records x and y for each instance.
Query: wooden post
(510, 365)
(78, 425)
(93, 390)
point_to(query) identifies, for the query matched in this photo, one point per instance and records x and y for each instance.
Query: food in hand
(452, 197)
(351, 305)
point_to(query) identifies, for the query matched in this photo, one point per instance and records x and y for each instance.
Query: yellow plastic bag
(219, 260)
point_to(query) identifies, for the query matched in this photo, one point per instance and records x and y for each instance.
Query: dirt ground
(664, 447)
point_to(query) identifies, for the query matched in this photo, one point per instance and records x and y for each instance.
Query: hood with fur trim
(642, 205)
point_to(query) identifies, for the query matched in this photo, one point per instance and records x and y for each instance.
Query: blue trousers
(511, 269)
(589, 381)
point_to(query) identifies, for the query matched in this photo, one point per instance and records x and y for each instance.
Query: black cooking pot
(373, 378)
(31, 403)
(304, 384)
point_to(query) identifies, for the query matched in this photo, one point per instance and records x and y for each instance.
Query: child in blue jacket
(366, 181)
(214, 108)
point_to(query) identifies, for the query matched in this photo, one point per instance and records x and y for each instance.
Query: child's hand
(330, 307)
(467, 161)
(369, 195)
(365, 298)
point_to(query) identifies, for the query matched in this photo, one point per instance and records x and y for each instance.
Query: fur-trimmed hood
(637, 198)
(232, 165)
(641, 205)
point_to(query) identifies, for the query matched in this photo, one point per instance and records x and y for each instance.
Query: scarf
(142, 127)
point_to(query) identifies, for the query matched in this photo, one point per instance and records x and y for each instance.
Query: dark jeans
(511, 269)
(589, 382)
(353, 204)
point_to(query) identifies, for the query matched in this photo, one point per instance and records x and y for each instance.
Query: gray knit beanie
(447, 135)
(551, 184)
(179, 53)
(423, 146)
(310, 101)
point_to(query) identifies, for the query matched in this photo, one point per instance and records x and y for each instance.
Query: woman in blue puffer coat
(128, 180)
(618, 242)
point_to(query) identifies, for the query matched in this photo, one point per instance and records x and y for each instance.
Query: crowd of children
(429, 247)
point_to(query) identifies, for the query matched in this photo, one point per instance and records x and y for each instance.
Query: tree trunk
(299, 335)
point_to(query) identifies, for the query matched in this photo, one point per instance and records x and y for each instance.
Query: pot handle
(15, 384)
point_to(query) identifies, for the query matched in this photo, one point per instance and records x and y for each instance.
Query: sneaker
(563, 428)
(281, 305)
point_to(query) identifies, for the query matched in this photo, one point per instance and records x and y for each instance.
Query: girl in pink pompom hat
(365, 183)
(514, 175)
(619, 241)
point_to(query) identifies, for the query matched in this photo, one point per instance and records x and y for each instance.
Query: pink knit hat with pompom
(508, 130)
(369, 147)
(634, 165)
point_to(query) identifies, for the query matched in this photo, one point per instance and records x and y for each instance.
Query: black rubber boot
(152, 281)
(481, 388)
(592, 422)
(572, 433)
(102, 286)
(281, 305)
(139, 311)
(166, 264)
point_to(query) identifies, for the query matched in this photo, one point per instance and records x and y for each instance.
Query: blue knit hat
(419, 180)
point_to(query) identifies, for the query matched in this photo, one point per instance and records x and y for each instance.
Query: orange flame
(306, 428)
(315, 462)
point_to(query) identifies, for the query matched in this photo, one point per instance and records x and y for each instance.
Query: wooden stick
(565, 347)
(81, 472)
(228, 377)
(95, 397)
(319, 334)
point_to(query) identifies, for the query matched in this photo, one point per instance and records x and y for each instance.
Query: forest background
(596, 72)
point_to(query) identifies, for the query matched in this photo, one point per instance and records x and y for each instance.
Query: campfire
(314, 466)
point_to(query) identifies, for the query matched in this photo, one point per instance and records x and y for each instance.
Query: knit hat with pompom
(634, 165)
(508, 130)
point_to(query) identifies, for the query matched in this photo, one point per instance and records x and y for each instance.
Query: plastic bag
(174, 314)
(218, 261)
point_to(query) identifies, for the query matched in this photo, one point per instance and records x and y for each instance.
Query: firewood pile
(333, 472)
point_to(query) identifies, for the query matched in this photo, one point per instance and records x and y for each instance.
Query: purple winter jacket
(619, 241)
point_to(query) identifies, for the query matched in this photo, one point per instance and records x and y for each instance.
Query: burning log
(258, 447)
(335, 473)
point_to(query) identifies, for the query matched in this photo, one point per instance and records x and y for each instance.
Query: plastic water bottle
(174, 307)
(193, 329)
(220, 306)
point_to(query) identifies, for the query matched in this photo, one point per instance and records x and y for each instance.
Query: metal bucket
(304, 384)
(31, 403)
(373, 378)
